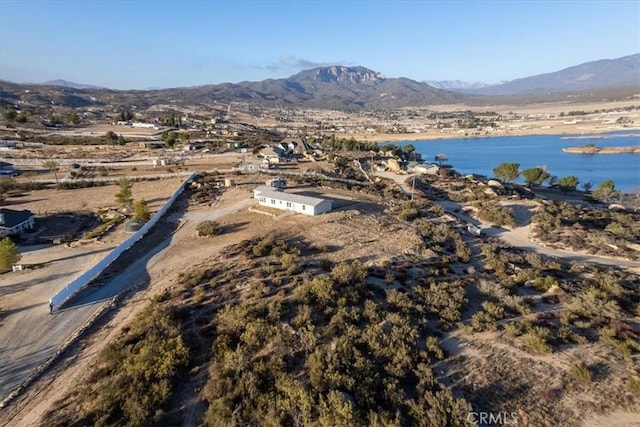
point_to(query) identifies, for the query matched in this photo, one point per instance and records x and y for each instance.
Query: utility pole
(413, 187)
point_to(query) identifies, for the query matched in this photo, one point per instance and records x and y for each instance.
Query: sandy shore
(436, 134)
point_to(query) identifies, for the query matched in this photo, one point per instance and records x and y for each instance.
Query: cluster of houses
(285, 151)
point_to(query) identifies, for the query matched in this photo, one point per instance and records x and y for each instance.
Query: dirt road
(26, 330)
(519, 236)
(29, 337)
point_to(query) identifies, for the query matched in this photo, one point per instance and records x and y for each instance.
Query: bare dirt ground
(44, 202)
(26, 328)
(186, 251)
(357, 230)
(538, 121)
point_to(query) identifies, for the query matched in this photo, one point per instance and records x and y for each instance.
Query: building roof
(264, 191)
(10, 218)
(269, 152)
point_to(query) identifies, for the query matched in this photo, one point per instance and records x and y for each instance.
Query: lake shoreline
(568, 132)
(482, 155)
(635, 149)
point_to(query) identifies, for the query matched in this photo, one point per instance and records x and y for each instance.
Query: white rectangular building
(269, 197)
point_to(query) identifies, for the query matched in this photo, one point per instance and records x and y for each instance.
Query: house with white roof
(273, 198)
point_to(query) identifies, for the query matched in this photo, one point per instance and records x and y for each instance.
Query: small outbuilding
(306, 205)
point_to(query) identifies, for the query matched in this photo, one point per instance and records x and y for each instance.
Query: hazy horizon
(142, 44)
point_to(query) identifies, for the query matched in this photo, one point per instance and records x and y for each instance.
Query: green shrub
(581, 372)
(543, 284)
(516, 328)
(634, 385)
(495, 213)
(536, 344)
(207, 228)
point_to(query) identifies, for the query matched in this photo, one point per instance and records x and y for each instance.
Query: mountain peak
(342, 75)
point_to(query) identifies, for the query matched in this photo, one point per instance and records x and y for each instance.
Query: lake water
(481, 155)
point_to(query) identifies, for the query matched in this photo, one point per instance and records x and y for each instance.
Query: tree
(170, 139)
(440, 158)
(408, 148)
(111, 136)
(121, 140)
(568, 183)
(141, 211)
(535, 176)
(125, 116)
(72, 117)
(587, 186)
(10, 114)
(124, 196)
(52, 166)
(8, 253)
(606, 191)
(507, 171)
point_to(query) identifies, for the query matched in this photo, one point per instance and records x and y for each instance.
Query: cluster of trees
(348, 144)
(170, 139)
(12, 115)
(173, 120)
(124, 196)
(125, 116)
(533, 176)
(510, 172)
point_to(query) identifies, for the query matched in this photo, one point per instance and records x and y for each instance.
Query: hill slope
(605, 73)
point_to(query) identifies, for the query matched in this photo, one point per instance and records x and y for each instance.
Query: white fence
(81, 282)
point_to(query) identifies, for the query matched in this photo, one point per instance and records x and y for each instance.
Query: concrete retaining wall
(81, 282)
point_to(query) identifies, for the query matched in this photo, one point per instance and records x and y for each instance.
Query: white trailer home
(269, 197)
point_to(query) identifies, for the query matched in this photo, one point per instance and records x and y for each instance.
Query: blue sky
(164, 43)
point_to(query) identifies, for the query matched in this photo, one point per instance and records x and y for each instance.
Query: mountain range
(340, 87)
(600, 74)
(66, 83)
(456, 85)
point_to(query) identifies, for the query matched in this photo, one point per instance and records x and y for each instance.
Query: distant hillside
(455, 84)
(65, 83)
(336, 87)
(344, 88)
(606, 73)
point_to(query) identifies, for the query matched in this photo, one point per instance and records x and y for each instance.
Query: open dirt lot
(25, 325)
(44, 202)
(156, 273)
